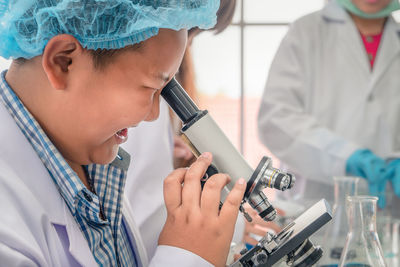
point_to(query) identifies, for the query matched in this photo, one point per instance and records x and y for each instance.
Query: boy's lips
(121, 136)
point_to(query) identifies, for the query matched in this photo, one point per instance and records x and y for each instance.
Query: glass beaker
(362, 248)
(388, 231)
(336, 231)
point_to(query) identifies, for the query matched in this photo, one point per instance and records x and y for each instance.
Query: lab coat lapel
(388, 50)
(78, 246)
(134, 234)
(352, 40)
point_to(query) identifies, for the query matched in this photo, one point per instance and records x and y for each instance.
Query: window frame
(242, 24)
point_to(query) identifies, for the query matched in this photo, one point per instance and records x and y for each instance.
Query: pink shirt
(371, 44)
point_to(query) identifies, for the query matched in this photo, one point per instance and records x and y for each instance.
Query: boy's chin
(105, 157)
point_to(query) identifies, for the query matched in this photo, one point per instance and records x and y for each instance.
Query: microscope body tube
(205, 136)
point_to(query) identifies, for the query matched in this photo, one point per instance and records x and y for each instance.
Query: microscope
(202, 134)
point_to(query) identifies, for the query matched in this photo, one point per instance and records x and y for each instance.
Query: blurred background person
(331, 105)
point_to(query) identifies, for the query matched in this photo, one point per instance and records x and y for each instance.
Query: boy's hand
(194, 221)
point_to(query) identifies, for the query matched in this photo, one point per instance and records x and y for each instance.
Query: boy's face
(101, 104)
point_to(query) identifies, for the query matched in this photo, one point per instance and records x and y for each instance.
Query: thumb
(381, 200)
(373, 189)
(230, 208)
(396, 185)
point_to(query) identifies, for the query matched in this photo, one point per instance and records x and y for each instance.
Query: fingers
(268, 225)
(173, 189)
(378, 190)
(396, 181)
(211, 195)
(249, 240)
(180, 152)
(232, 202)
(396, 186)
(257, 220)
(256, 229)
(373, 189)
(280, 212)
(236, 257)
(381, 195)
(181, 149)
(381, 201)
(192, 189)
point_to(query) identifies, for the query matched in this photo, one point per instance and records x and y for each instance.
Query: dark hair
(224, 15)
(186, 75)
(224, 18)
(101, 57)
(20, 60)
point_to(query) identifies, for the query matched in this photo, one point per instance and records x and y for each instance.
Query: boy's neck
(369, 27)
(80, 172)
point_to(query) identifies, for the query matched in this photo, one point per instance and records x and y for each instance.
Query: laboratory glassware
(362, 248)
(336, 232)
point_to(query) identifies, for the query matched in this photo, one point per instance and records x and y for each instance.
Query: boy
(65, 109)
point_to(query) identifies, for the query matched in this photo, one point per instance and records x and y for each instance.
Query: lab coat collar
(332, 11)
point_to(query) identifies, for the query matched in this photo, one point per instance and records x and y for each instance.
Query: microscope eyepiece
(179, 101)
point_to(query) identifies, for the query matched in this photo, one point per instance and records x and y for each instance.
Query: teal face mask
(349, 6)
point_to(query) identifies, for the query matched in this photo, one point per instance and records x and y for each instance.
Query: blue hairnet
(27, 25)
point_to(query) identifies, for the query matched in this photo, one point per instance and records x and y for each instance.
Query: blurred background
(231, 87)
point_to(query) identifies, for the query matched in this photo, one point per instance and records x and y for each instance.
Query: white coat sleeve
(174, 256)
(284, 126)
(13, 258)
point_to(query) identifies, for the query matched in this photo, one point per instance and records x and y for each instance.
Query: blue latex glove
(393, 174)
(364, 163)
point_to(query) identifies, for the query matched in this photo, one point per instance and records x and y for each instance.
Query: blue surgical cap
(27, 25)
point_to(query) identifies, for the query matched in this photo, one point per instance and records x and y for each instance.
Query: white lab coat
(322, 102)
(36, 227)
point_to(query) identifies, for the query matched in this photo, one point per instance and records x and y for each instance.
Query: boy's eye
(151, 88)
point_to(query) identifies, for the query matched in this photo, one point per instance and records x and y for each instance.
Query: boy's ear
(57, 58)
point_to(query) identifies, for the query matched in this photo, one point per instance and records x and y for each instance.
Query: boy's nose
(155, 109)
